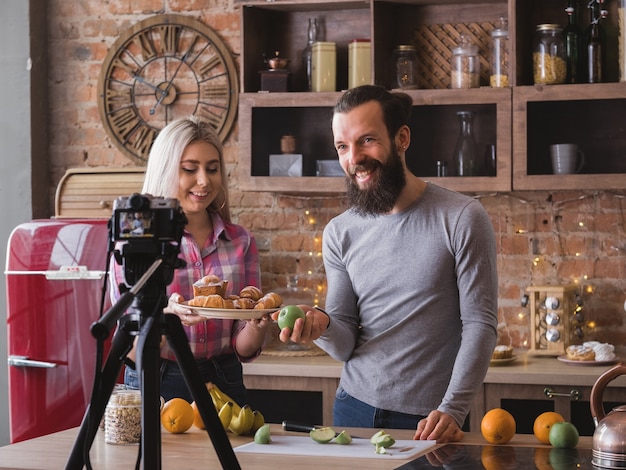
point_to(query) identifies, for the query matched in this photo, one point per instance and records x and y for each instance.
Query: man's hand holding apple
(305, 329)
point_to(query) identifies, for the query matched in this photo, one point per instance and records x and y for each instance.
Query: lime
(322, 435)
(262, 435)
(343, 438)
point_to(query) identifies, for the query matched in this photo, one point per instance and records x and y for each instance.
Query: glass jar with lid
(405, 67)
(465, 64)
(499, 75)
(549, 58)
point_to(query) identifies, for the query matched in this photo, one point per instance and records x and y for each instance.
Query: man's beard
(383, 191)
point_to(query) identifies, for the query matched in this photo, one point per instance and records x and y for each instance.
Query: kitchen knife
(290, 426)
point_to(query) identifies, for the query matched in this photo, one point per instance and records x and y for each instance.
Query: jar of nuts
(549, 59)
(465, 64)
(122, 418)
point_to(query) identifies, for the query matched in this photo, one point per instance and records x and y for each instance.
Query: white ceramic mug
(566, 159)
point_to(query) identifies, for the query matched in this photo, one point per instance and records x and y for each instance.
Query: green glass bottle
(572, 36)
(594, 41)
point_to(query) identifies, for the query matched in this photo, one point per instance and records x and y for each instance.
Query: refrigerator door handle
(23, 361)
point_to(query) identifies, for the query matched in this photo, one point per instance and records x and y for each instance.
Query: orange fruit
(543, 424)
(177, 415)
(497, 426)
(197, 419)
(499, 458)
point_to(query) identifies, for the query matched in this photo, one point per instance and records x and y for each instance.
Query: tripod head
(152, 229)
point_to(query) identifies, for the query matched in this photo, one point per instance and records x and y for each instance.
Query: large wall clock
(160, 69)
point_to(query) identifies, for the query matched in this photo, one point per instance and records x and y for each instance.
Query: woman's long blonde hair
(162, 171)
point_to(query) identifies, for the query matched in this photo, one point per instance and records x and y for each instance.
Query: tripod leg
(178, 341)
(122, 343)
(148, 364)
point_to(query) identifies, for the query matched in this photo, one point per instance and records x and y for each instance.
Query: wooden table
(194, 450)
(525, 378)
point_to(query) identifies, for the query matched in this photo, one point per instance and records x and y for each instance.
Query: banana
(243, 421)
(222, 398)
(259, 420)
(226, 414)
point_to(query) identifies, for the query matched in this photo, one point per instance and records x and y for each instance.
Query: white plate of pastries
(210, 301)
(590, 353)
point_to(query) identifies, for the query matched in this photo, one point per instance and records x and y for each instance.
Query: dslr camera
(147, 228)
(146, 217)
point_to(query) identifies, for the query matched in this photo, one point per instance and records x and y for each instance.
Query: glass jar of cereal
(549, 59)
(465, 64)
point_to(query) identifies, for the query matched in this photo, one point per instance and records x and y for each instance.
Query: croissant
(251, 292)
(207, 301)
(244, 303)
(269, 300)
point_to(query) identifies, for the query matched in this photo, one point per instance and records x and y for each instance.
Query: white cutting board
(359, 448)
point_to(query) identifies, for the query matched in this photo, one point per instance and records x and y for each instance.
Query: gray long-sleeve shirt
(412, 299)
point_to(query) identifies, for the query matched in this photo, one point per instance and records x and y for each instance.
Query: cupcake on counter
(502, 352)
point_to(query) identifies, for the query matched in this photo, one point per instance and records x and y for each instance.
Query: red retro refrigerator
(55, 275)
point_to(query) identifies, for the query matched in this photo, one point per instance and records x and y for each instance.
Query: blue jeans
(350, 412)
(224, 371)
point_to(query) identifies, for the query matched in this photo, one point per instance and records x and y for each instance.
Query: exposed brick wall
(543, 237)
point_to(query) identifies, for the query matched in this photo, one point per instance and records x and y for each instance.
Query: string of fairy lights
(542, 265)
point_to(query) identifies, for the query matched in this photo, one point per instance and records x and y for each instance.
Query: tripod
(148, 298)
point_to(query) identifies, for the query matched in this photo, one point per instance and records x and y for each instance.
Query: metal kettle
(609, 438)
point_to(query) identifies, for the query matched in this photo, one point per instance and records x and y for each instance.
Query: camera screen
(135, 224)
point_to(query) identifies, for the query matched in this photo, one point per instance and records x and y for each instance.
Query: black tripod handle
(101, 328)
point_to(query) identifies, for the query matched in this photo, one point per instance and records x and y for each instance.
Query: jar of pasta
(549, 59)
(465, 64)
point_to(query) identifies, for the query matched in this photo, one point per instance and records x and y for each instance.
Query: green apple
(563, 435)
(322, 435)
(262, 435)
(343, 438)
(288, 315)
(564, 459)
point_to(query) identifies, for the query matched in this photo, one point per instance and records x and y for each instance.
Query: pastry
(502, 352)
(269, 300)
(579, 352)
(603, 351)
(207, 301)
(210, 285)
(244, 303)
(251, 292)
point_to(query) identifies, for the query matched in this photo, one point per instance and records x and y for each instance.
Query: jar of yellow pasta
(549, 59)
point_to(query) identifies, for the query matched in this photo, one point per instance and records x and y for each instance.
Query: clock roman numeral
(143, 141)
(208, 92)
(118, 62)
(118, 96)
(169, 39)
(210, 64)
(146, 44)
(123, 121)
(211, 117)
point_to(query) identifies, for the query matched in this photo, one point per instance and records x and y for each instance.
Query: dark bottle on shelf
(572, 36)
(594, 42)
(307, 52)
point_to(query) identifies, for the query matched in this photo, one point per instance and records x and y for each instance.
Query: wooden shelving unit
(521, 121)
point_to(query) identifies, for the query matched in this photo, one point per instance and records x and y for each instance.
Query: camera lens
(138, 202)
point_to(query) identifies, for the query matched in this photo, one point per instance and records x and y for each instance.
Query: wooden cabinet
(521, 121)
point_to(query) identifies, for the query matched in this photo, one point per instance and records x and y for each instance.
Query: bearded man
(412, 282)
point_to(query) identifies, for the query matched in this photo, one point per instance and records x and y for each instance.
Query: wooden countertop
(194, 450)
(526, 369)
